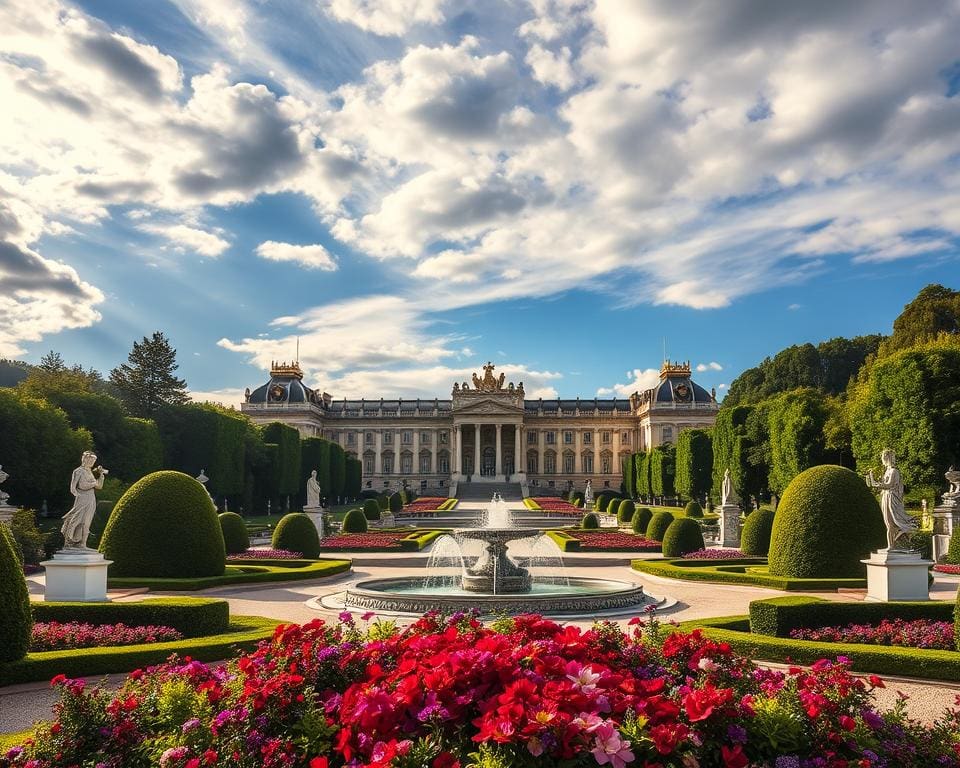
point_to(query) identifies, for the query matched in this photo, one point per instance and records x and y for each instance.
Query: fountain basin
(573, 596)
(494, 572)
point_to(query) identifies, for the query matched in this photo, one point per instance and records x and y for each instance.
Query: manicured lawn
(752, 571)
(253, 572)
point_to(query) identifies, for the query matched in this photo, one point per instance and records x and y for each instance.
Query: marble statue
(895, 516)
(728, 495)
(588, 495)
(203, 480)
(313, 490)
(85, 479)
(3, 494)
(951, 498)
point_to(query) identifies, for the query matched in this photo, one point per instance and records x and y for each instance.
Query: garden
(453, 692)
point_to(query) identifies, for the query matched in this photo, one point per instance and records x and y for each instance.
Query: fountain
(472, 568)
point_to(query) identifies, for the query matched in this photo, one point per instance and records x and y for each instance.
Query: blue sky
(412, 187)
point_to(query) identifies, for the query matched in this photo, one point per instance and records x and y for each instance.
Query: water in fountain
(543, 558)
(445, 566)
(498, 514)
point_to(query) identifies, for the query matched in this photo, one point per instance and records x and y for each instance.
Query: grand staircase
(483, 491)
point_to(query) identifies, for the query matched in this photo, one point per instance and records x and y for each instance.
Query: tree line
(139, 420)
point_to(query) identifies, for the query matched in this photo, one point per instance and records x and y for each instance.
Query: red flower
(318, 762)
(733, 757)
(847, 722)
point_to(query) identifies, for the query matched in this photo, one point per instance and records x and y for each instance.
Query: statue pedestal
(316, 516)
(6, 514)
(946, 518)
(897, 575)
(77, 575)
(730, 525)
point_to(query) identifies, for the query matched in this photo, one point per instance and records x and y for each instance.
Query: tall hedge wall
(642, 462)
(314, 455)
(796, 420)
(629, 476)
(338, 470)
(662, 470)
(287, 440)
(354, 477)
(694, 463)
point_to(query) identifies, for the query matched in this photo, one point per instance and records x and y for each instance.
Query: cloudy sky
(412, 187)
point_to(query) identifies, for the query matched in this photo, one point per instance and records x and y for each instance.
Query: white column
(615, 468)
(596, 452)
(542, 449)
(378, 458)
(416, 453)
(476, 450)
(499, 468)
(433, 454)
(458, 451)
(517, 446)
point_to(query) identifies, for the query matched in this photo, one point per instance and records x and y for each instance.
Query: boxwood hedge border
(720, 572)
(263, 572)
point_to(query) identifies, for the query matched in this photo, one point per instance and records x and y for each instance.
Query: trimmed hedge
(827, 522)
(683, 536)
(16, 624)
(613, 504)
(590, 521)
(577, 498)
(191, 616)
(878, 659)
(355, 521)
(235, 536)
(625, 511)
(779, 615)
(249, 572)
(371, 509)
(755, 535)
(396, 503)
(384, 501)
(165, 525)
(297, 533)
(640, 521)
(415, 541)
(658, 525)
(693, 509)
(750, 571)
(245, 633)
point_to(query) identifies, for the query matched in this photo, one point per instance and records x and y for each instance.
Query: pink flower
(610, 747)
(583, 677)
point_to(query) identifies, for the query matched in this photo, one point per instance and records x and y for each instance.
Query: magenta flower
(610, 747)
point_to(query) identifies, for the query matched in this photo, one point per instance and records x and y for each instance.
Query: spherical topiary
(297, 533)
(658, 525)
(682, 536)
(613, 504)
(601, 500)
(14, 601)
(164, 526)
(755, 535)
(827, 522)
(235, 537)
(641, 519)
(355, 521)
(396, 503)
(384, 501)
(693, 510)
(625, 511)
(590, 521)
(371, 509)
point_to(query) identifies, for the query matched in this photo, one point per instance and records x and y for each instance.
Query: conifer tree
(147, 381)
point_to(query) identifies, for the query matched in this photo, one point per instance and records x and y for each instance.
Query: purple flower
(737, 734)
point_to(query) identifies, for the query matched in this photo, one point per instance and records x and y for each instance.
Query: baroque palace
(487, 431)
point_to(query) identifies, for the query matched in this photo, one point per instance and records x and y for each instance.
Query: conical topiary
(164, 526)
(826, 523)
(15, 627)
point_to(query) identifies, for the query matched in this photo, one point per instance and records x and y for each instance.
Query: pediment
(489, 406)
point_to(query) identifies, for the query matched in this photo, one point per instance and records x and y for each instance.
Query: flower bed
(715, 554)
(54, 636)
(921, 633)
(552, 504)
(953, 570)
(265, 554)
(363, 541)
(455, 694)
(610, 540)
(429, 504)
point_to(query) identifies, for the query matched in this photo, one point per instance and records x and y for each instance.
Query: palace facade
(488, 431)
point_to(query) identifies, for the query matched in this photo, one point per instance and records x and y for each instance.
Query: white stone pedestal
(894, 575)
(730, 525)
(76, 575)
(316, 515)
(946, 518)
(6, 514)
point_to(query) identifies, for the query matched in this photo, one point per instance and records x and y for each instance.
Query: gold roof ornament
(288, 370)
(489, 382)
(670, 368)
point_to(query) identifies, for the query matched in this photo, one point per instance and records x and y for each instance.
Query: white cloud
(230, 397)
(711, 366)
(185, 237)
(552, 68)
(794, 307)
(309, 256)
(386, 17)
(638, 380)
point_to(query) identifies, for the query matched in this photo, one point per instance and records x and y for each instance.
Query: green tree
(796, 421)
(694, 463)
(12, 372)
(643, 475)
(629, 476)
(52, 375)
(146, 382)
(662, 470)
(934, 312)
(910, 402)
(288, 469)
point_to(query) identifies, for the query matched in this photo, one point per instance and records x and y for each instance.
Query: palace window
(351, 438)
(532, 463)
(550, 464)
(568, 438)
(604, 437)
(368, 465)
(587, 461)
(531, 437)
(605, 465)
(587, 438)
(667, 434)
(425, 438)
(625, 438)
(443, 438)
(406, 464)
(551, 438)
(424, 465)
(388, 465)
(387, 437)
(368, 438)
(406, 437)
(443, 464)
(568, 464)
